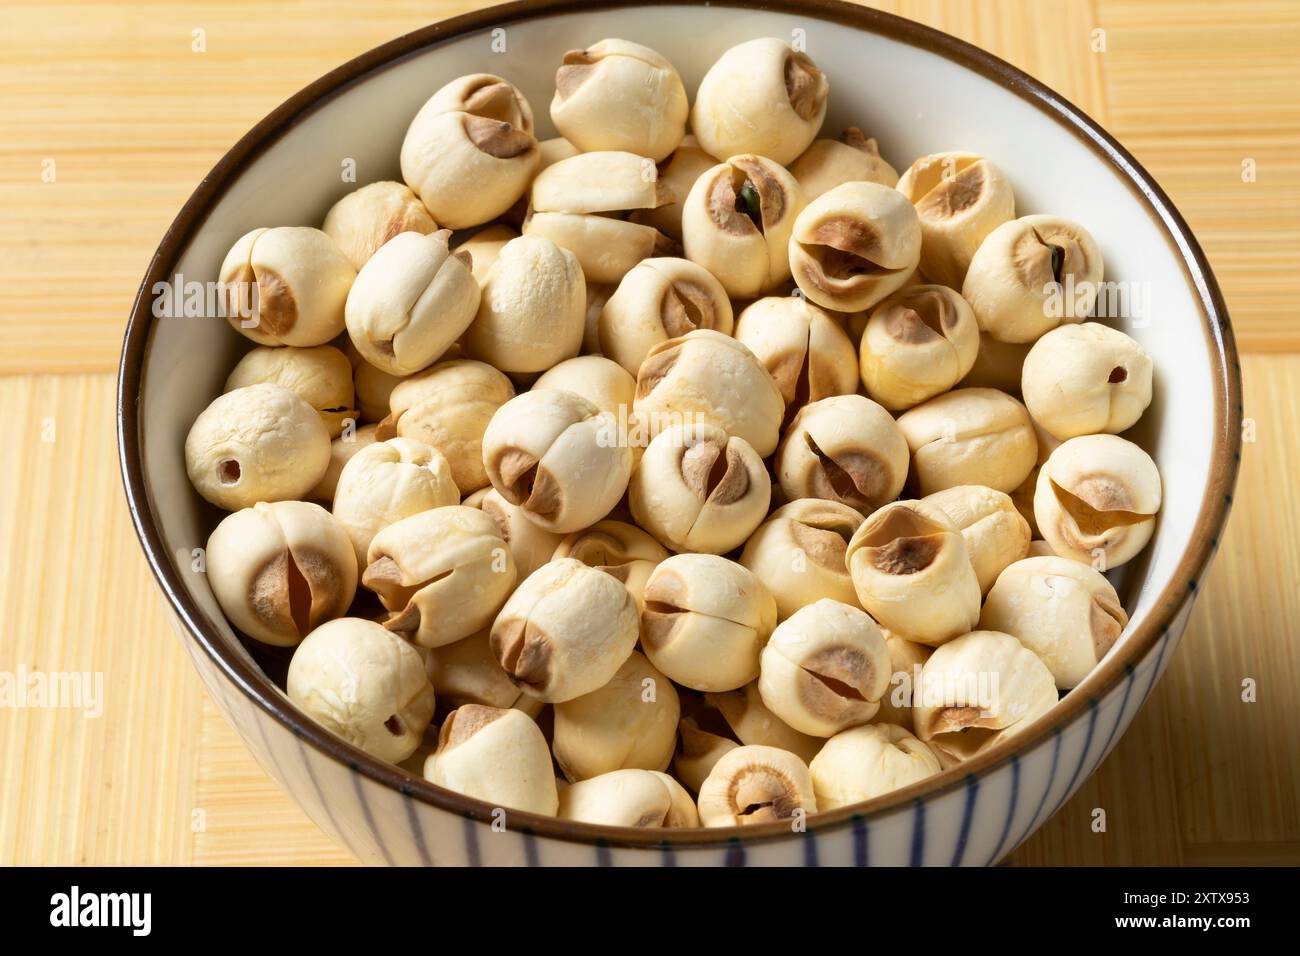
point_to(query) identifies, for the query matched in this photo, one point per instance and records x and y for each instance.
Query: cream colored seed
(365, 684)
(565, 631)
(971, 436)
(629, 798)
(617, 95)
(555, 149)
(321, 376)
(448, 407)
(373, 387)
(286, 286)
(604, 383)
(660, 299)
(736, 223)
(280, 569)
(807, 353)
(754, 784)
(631, 722)
(389, 481)
(257, 443)
(978, 689)
(412, 300)
(530, 544)
(863, 763)
(495, 755)
(696, 489)
(1023, 496)
(1084, 379)
(845, 448)
(799, 553)
(913, 574)
(558, 457)
(1097, 500)
(995, 533)
(532, 311)
(618, 549)
(760, 97)
(1031, 275)
(597, 296)
(342, 450)
(444, 573)
(825, 669)
(1065, 612)
(905, 660)
(917, 344)
(467, 672)
(960, 198)
(368, 217)
(582, 204)
(677, 174)
(705, 621)
(484, 248)
(470, 153)
(710, 378)
(854, 245)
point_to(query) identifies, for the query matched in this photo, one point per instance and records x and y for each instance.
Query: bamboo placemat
(115, 103)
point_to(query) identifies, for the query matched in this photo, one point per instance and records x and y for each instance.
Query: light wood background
(131, 118)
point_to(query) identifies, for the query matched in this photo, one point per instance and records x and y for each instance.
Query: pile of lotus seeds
(651, 479)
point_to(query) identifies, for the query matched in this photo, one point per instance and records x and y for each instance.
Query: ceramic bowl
(914, 89)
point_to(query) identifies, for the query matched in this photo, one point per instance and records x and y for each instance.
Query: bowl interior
(913, 100)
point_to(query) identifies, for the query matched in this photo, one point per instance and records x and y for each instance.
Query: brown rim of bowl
(1182, 585)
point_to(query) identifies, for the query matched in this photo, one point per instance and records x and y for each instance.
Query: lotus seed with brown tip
(470, 153)
(565, 631)
(799, 553)
(825, 669)
(281, 569)
(918, 343)
(498, 756)
(286, 286)
(960, 198)
(368, 217)
(760, 97)
(558, 457)
(1097, 499)
(697, 489)
(736, 223)
(618, 95)
(705, 621)
(1031, 275)
(660, 299)
(913, 574)
(845, 448)
(754, 784)
(854, 245)
(444, 573)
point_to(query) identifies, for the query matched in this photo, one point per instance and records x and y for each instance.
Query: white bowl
(914, 89)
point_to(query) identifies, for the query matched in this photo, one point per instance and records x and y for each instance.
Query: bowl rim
(254, 684)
